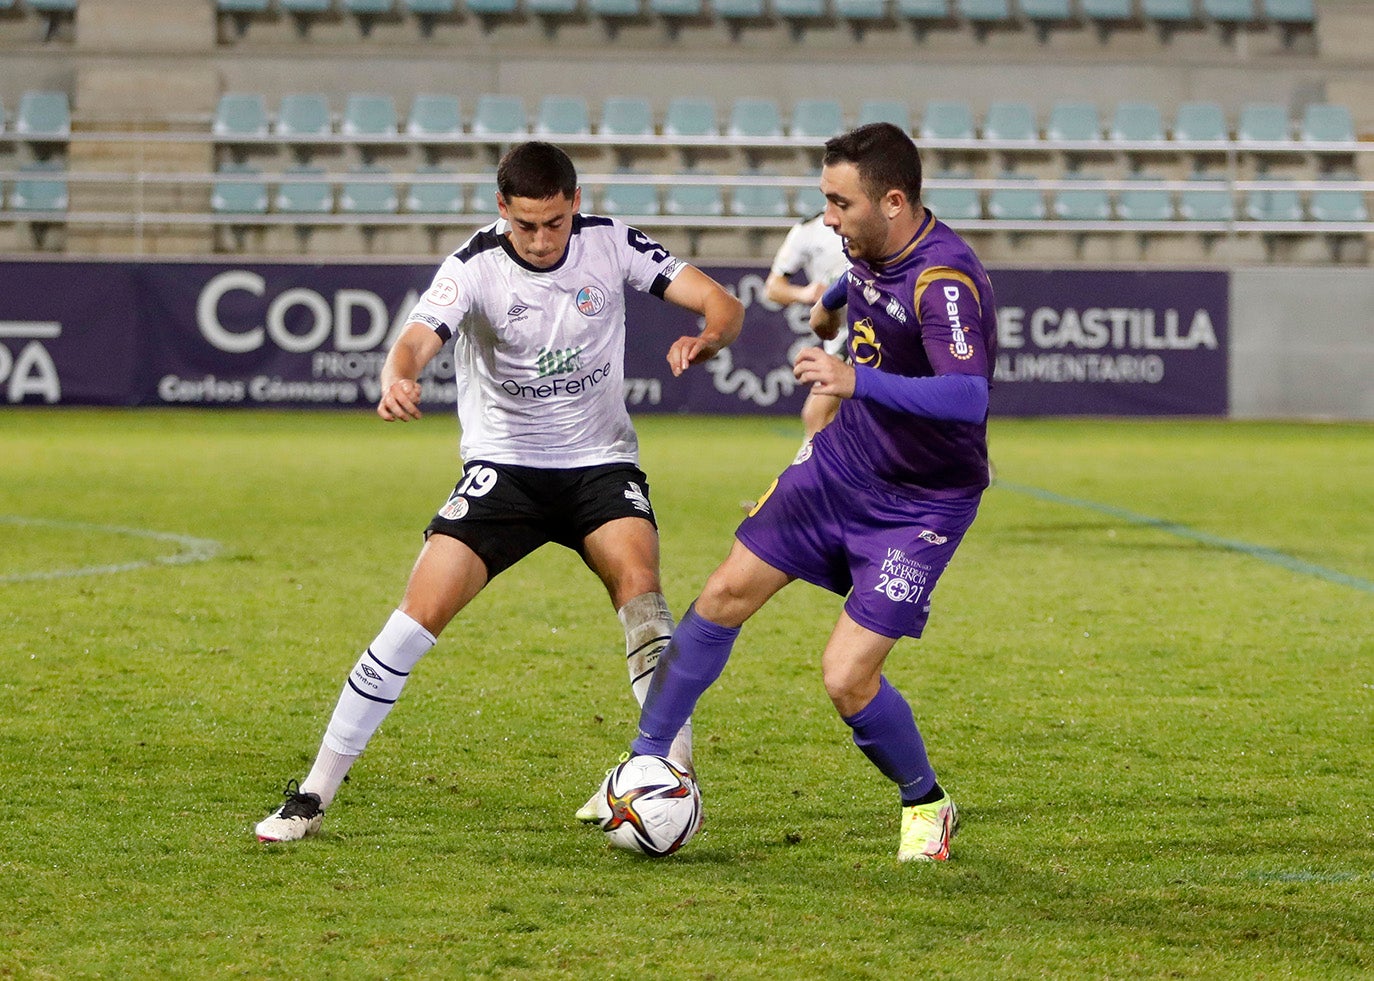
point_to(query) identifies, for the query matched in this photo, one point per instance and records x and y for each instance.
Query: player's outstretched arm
(415, 348)
(693, 290)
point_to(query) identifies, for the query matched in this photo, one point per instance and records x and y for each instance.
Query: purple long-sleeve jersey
(928, 310)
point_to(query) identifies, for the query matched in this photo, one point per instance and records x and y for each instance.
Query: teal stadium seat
(1137, 122)
(677, 10)
(1086, 204)
(369, 197)
(614, 11)
(694, 200)
(242, 197)
(952, 204)
(1210, 201)
(886, 111)
(861, 14)
(1106, 15)
(436, 116)
(1281, 204)
(552, 8)
(799, 10)
(302, 116)
(923, 15)
(43, 115)
(1326, 123)
(1200, 122)
(1169, 12)
(499, 115)
(626, 116)
(816, 119)
(562, 115)
(1292, 17)
(369, 116)
(986, 12)
(688, 116)
(1010, 121)
(1263, 123)
(807, 201)
(947, 121)
(482, 200)
(752, 118)
(1073, 121)
(759, 201)
(434, 197)
(42, 187)
(1338, 204)
(628, 200)
(1016, 203)
(1045, 15)
(303, 192)
(306, 6)
(427, 12)
(1230, 12)
(238, 6)
(1148, 202)
(366, 12)
(240, 114)
(492, 9)
(741, 10)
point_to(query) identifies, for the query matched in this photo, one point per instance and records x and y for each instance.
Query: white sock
(648, 628)
(372, 688)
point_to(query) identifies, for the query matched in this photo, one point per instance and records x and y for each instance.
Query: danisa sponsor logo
(559, 387)
(959, 345)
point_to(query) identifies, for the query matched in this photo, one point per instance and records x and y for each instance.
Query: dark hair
(536, 170)
(884, 156)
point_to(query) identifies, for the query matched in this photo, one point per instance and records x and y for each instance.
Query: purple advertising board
(309, 335)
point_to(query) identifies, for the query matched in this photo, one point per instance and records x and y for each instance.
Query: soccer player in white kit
(813, 248)
(535, 306)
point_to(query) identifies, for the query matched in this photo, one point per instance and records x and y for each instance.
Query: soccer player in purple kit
(874, 506)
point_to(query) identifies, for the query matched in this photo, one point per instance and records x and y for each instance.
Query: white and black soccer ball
(653, 806)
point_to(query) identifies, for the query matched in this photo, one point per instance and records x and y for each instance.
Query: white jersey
(539, 354)
(814, 249)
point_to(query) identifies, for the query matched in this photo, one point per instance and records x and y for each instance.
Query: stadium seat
(1168, 11)
(886, 111)
(1077, 121)
(43, 115)
(1087, 204)
(758, 201)
(482, 200)
(41, 187)
(615, 11)
(947, 121)
(688, 116)
(1104, 15)
(626, 116)
(1210, 201)
(922, 15)
(562, 115)
(302, 192)
(368, 115)
(1276, 205)
(426, 12)
(551, 10)
(735, 14)
(366, 12)
(808, 201)
(1016, 203)
(434, 198)
(492, 9)
(240, 114)
(1009, 121)
(861, 14)
(628, 199)
(752, 118)
(1147, 202)
(1292, 17)
(499, 115)
(797, 12)
(306, 6)
(1263, 123)
(1325, 123)
(816, 119)
(675, 12)
(1045, 15)
(1200, 122)
(369, 197)
(434, 116)
(953, 203)
(302, 115)
(233, 6)
(1137, 122)
(1338, 204)
(696, 200)
(1233, 12)
(986, 12)
(239, 197)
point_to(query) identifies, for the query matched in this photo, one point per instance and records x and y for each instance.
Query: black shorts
(504, 512)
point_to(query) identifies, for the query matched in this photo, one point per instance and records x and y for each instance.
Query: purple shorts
(884, 549)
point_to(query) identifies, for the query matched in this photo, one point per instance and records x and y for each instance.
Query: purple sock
(693, 659)
(886, 731)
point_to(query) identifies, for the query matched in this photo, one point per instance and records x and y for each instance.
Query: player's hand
(826, 374)
(812, 292)
(687, 351)
(825, 323)
(401, 401)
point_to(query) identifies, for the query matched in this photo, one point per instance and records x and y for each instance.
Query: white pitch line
(189, 549)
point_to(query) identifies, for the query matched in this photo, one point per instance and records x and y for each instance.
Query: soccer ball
(654, 806)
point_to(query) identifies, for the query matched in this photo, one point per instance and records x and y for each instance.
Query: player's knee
(724, 600)
(849, 692)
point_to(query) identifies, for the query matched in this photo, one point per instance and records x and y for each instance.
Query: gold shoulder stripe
(942, 272)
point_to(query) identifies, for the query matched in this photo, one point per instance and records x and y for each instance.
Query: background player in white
(535, 305)
(813, 248)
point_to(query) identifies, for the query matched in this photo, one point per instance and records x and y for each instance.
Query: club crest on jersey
(636, 496)
(591, 300)
(864, 343)
(456, 508)
(871, 293)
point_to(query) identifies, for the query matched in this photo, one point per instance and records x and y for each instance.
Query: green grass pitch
(1148, 680)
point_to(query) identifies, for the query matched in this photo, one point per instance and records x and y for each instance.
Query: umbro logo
(517, 311)
(368, 670)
